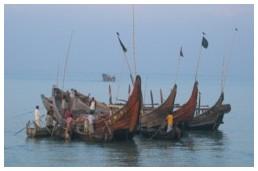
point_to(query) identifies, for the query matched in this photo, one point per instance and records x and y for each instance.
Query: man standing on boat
(37, 116)
(170, 122)
(92, 105)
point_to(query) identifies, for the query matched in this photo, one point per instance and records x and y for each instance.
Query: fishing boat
(120, 125)
(34, 132)
(156, 128)
(108, 78)
(152, 120)
(211, 118)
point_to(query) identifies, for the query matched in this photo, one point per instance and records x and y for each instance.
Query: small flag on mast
(181, 52)
(204, 41)
(121, 43)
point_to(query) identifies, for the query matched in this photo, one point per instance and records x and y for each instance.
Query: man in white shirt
(92, 105)
(37, 116)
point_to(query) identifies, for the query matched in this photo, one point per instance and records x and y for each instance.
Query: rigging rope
(128, 65)
(177, 68)
(133, 42)
(67, 55)
(198, 63)
(225, 64)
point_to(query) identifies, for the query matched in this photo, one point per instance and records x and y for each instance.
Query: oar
(24, 113)
(20, 131)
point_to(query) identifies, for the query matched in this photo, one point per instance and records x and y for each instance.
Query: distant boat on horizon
(108, 78)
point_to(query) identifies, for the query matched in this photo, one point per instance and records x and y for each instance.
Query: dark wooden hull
(157, 117)
(212, 118)
(186, 112)
(121, 125)
(37, 132)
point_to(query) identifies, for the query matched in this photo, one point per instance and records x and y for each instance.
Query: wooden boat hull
(182, 115)
(212, 118)
(121, 125)
(37, 132)
(186, 112)
(156, 117)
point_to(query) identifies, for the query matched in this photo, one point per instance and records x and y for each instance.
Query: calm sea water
(231, 145)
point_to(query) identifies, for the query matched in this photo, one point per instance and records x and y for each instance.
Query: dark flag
(181, 52)
(121, 43)
(205, 42)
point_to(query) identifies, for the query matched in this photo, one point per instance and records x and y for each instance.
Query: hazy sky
(36, 38)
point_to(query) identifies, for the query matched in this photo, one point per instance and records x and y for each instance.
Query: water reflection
(122, 153)
(194, 140)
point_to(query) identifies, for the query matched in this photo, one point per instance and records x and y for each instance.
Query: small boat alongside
(152, 124)
(35, 132)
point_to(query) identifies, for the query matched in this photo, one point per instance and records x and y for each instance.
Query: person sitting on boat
(91, 119)
(170, 122)
(92, 105)
(37, 117)
(50, 118)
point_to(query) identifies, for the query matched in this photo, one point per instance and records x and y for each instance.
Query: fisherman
(91, 119)
(170, 122)
(50, 118)
(68, 118)
(92, 105)
(37, 116)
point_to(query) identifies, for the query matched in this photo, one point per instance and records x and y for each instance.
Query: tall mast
(133, 41)
(225, 64)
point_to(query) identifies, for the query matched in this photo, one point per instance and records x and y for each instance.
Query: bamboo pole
(133, 42)
(161, 96)
(177, 68)
(198, 63)
(129, 90)
(151, 96)
(67, 56)
(128, 65)
(110, 94)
